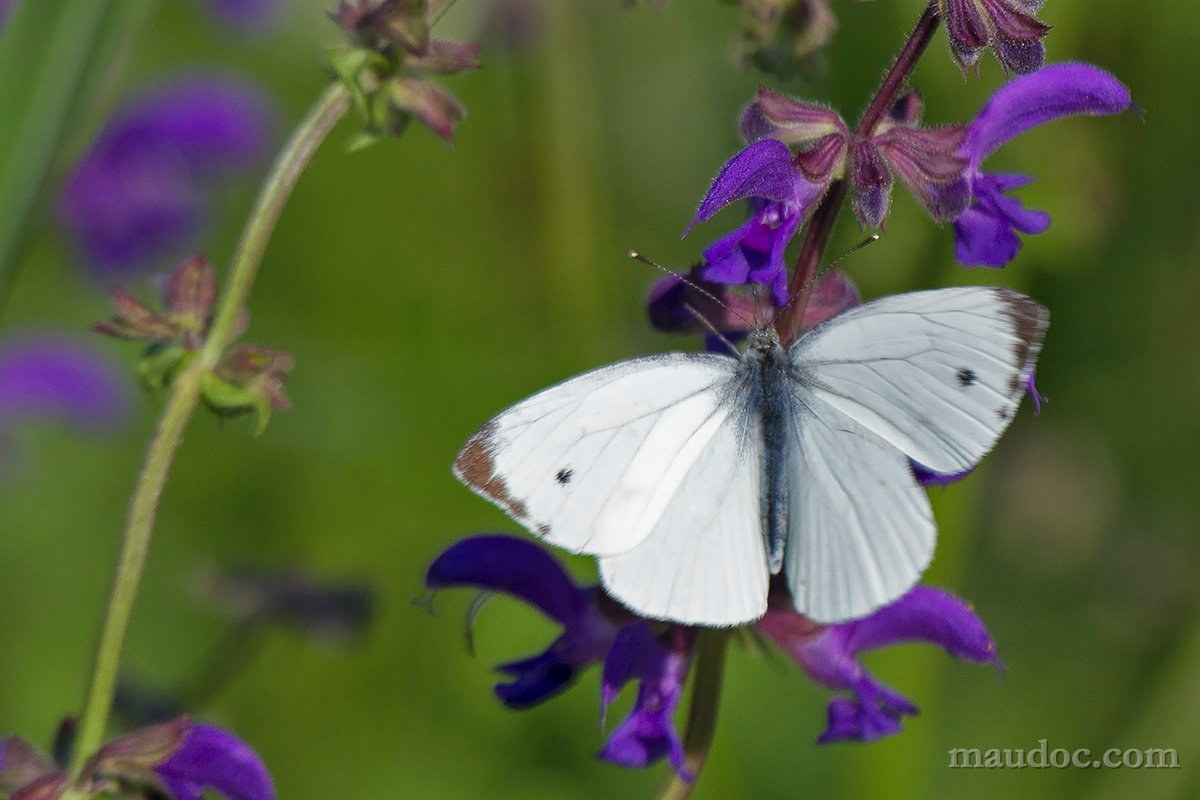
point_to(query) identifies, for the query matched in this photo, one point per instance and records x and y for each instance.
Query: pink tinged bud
(445, 57)
(430, 103)
(926, 159)
(824, 159)
(21, 764)
(47, 787)
(136, 755)
(796, 121)
(871, 183)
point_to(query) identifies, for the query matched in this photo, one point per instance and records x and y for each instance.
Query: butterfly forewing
(592, 463)
(938, 374)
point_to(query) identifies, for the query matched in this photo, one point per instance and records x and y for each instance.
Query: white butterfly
(696, 476)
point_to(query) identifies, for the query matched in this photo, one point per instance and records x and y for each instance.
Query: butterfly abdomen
(771, 401)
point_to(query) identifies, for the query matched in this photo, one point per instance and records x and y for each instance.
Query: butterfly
(695, 477)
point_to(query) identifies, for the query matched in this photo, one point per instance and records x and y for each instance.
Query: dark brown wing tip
(476, 467)
(1029, 320)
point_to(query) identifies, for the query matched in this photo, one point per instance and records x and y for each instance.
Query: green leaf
(54, 58)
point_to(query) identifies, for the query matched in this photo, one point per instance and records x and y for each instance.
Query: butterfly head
(762, 339)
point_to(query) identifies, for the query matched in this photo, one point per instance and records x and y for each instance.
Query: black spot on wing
(564, 476)
(966, 377)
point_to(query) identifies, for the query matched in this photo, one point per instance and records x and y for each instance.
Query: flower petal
(648, 733)
(215, 759)
(925, 614)
(1052, 92)
(762, 169)
(537, 679)
(511, 565)
(927, 477)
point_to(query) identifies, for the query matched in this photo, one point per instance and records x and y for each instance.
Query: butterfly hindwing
(860, 528)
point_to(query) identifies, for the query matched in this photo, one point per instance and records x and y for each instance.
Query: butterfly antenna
(708, 326)
(639, 257)
(874, 237)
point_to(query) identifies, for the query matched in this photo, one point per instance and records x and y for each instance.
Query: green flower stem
(711, 647)
(817, 235)
(185, 393)
(184, 396)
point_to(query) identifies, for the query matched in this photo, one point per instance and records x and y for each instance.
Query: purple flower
(47, 376)
(829, 655)
(985, 233)
(595, 629)
(781, 197)
(1007, 25)
(211, 758)
(138, 196)
(524, 570)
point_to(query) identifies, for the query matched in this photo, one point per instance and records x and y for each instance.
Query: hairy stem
(817, 236)
(182, 401)
(711, 647)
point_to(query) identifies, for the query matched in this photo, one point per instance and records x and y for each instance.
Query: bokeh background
(422, 287)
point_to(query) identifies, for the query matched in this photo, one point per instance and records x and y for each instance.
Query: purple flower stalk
(139, 195)
(986, 232)
(658, 656)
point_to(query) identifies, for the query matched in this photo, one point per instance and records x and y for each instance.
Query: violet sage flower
(212, 758)
(780, 199)
(986, 232)
(829, 655)
(139, 196)
(658, 655)
(595, 630)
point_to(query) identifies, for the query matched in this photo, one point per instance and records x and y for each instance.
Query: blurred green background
(423, 287)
